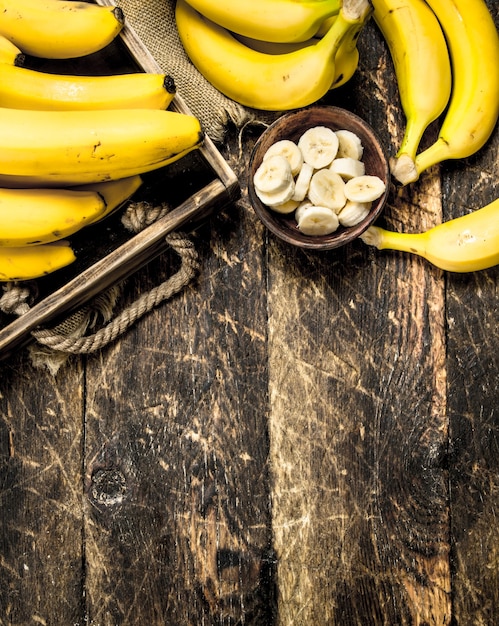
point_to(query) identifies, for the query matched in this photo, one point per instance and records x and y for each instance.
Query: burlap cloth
(97, 324)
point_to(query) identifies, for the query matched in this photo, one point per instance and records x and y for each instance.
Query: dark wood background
(297, 438)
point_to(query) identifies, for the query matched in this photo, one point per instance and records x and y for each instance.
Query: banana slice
(300, 209)
(348, 167)
(327, 189)
(289, 150)
(286, 207)
(319, 146)
(364, 188)
(302, 182)
(318, 220)
(276, 198)
(353, 213)
(273, 175)
(350, 144)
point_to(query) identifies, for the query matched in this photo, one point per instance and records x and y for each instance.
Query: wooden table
(296, 439)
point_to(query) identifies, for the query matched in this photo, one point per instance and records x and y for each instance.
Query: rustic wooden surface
(297, 438)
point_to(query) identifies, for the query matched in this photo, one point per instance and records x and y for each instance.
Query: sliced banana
(301, 208)
(350, 144)
(353, 213)
(327, 189)
(286, 207)
(318, 220)
(319, 146)
(302, 182)
(348, 167)
(290, 151)
(276, 198)
(364, 188)
(273, 175)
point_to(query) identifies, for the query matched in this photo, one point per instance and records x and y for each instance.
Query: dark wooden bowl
(292, 126)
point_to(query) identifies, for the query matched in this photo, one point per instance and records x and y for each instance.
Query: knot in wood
(108, 487)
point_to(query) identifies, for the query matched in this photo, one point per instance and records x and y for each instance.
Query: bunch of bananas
(73, 148)
(273, 55)
(446, 58)
(445, 55)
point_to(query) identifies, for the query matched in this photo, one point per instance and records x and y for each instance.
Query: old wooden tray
(196, 186)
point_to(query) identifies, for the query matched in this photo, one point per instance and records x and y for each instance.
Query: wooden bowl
(292, 126)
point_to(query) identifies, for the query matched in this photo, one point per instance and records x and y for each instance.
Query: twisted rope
(61, 342)
(54, 345)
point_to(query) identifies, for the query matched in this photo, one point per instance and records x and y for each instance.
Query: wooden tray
(196, 186)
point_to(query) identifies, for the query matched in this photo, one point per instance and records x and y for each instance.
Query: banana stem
(356, 9)
(382, 239)
(436, 153)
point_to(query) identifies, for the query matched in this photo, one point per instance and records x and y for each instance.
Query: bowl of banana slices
(318, 177)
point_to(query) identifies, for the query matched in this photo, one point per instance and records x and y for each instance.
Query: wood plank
(357, 415)
(473, 401)
(41, 554)
(177, 526)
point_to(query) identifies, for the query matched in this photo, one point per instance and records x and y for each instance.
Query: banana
(10, 53)
(302, 182)
(327, 189)
(269, 20)
(465, 244)
(318, 220)
(347, 167)
(65, 148)
(286, 207)
(30, 217)
(421, 61)
(353, 213)
(319, 146)
(365, 188)
(276, 199)
(290, 151)
(273, 175)
(346, 60)
(301, 208)
(349, 145)
(59, 29)
(473, 109)
(23, 88)
(27, 263)
(266, 81)
(114, 193)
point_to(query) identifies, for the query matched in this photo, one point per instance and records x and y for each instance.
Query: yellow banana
(23, 88)
(473, 109)
(27, 263)
(269, 20)
(10, 53)
(64, 148)
(114, 193)
(274, 82)
(345, 63)
(465, 244)
(30, 217)
(59, 29)
(421, 61)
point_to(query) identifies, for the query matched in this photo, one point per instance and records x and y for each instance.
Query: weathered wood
(473, 401)
(298, 438)
(41, 548)
(176, 456)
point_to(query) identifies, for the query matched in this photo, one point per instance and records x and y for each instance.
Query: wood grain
(186, 454)
(41, 548)
(297, 438)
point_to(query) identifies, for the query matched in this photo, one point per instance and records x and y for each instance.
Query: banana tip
(403, 169)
